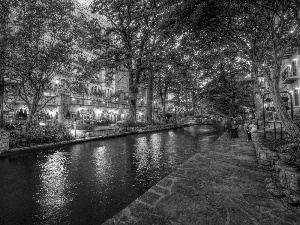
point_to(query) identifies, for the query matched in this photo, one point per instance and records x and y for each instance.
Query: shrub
(39, 135)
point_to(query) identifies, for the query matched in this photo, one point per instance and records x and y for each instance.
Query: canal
(90, 182)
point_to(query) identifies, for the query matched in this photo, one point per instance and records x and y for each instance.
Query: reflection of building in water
(54, 193)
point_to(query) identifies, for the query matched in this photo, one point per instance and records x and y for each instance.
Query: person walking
(248, 131)
(234, 129)
(246, 124)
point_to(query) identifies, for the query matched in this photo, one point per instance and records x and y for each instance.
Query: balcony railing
(289, 76)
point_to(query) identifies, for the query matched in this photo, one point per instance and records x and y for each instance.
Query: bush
(39, 135)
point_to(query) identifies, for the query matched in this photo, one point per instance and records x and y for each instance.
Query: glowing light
(57, 81)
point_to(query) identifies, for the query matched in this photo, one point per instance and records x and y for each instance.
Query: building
(289, 85)
(289, 82)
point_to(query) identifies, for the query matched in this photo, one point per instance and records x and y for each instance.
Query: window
(296, 97)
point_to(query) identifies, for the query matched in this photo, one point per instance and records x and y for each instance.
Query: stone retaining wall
(285, 182)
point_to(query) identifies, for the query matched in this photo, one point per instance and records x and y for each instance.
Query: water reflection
(53, 193)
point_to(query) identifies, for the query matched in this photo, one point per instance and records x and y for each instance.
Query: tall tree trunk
(133, 91)
(256, 93)
(163, 103)
(292, 129)
(4, 19)
(149, 107)
(32, 111)
(186, 102)
(193, 102)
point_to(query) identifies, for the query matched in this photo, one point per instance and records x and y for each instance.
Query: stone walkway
(220, 185)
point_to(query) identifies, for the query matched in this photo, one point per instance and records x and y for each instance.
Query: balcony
(289, 76)
(52, 102)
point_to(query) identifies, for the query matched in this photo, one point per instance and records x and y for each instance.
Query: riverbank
(222, 184)
(97, 136)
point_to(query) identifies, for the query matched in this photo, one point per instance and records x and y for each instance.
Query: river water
(90, 182)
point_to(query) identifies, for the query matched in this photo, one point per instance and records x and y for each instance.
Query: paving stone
(149, 198)
(152, 219)
(138, 209)
(165, 182)
(180, 171)
(160, 190)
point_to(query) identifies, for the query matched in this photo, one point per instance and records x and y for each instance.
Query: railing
(277, 129)
(286, 73)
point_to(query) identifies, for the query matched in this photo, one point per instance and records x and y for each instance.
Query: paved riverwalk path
(220, 185)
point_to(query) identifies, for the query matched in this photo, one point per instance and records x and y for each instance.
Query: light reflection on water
(90, 182)
(148, 152)
(102, 165)
(53, 193)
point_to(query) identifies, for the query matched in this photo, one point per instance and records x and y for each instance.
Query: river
(90, 182)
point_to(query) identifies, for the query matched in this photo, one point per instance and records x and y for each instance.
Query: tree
(262, 32)
(126, 41)
(41, 48)
(283, 33)
(5, 38)
(229, 94)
